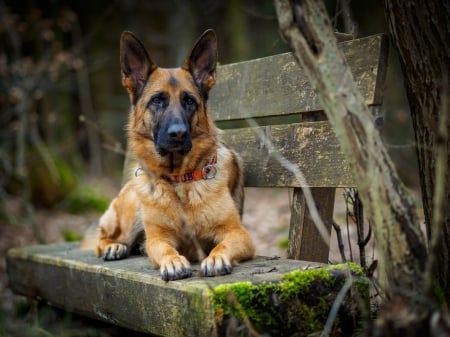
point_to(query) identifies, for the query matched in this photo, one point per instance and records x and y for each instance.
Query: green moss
(50, 177)
(310, 321)
(299, 281)
(71, 236)
(239, 299)
(85, 199)
(297, 305)
(355, 268)
(283, 243)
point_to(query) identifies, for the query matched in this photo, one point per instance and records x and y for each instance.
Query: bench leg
(305, 242)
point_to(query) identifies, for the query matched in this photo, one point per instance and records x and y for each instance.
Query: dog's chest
(192, 194)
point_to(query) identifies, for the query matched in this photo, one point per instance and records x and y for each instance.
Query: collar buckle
(209, 171)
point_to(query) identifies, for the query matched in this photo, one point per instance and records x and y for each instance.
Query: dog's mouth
(182, 149)
(166, 145)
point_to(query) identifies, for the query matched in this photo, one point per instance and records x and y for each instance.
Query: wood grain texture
(305, 241)
(276, 85)
(313, 147)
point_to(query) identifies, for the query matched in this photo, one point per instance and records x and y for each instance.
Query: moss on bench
(297, 305)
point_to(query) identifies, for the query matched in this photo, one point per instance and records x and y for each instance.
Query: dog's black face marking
(172, 117)
(173, 81)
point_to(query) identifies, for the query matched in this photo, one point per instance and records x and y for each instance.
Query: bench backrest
(270, 113)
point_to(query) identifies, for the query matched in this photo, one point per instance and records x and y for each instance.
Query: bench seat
(130, 294)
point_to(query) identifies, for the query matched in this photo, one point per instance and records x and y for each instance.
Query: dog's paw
(115, 251)
(216, 265)
(175, 268)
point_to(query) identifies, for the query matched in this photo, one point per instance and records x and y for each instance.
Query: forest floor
(266, 215)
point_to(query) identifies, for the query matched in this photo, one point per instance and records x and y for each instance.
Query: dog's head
(169, 104)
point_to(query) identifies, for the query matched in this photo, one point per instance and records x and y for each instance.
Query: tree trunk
(420, 31)
(306, 28)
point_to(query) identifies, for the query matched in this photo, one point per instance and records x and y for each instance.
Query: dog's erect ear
(136, 65)
(201, 62)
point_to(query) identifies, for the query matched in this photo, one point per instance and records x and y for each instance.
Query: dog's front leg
(235, 245)
(160, 246)
(119, 227)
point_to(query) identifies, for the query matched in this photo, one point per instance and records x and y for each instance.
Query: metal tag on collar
(209, 172)
(138, 171)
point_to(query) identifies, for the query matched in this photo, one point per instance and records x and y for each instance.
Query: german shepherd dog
(187, 196)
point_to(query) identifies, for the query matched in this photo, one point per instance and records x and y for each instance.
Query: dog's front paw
(114, 251)
(175, 268)
(216, 264)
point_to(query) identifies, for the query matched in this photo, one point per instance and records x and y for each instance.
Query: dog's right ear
(136, 64)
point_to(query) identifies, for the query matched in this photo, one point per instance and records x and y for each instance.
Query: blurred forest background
(63, 108)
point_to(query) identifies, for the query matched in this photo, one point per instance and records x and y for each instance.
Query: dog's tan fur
(179, 219)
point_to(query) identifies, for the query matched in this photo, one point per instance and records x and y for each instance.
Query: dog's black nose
(177, 132)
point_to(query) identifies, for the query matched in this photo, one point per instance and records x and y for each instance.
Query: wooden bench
(273, 92)
(272, 117)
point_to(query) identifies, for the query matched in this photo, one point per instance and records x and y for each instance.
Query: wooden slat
(276, 85)
(313, 147)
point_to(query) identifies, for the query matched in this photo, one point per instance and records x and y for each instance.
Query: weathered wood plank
(129, 293)
(276, 85)
(313, 147)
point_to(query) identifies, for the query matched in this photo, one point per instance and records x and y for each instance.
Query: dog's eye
(189, 101)
(156, 100)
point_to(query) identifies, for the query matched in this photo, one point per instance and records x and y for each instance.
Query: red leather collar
(206, 172)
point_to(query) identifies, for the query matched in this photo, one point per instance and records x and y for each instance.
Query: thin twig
(336, 305)
(347, 18)
(84, 91)
(348, 201)
(340, 241)
(294, 169)
(231, 298)
(111, 143)
(358, 212)
(369, 234)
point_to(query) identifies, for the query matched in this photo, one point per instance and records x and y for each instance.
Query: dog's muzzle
(174, 138)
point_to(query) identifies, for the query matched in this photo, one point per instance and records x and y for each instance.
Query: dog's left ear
(202, 60)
